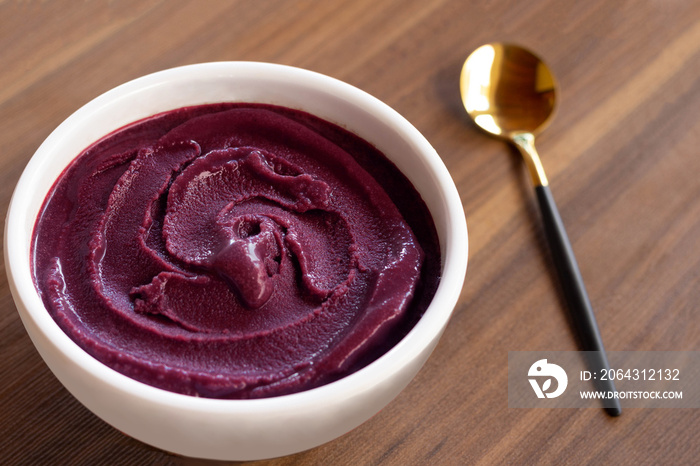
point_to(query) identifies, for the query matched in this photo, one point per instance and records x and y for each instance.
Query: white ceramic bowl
(236, 429)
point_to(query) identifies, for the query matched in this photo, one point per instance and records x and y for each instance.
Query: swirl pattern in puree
(234, 251)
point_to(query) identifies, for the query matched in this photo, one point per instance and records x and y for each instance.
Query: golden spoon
(509, 92)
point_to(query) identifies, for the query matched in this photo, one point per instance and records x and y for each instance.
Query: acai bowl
(267, 423)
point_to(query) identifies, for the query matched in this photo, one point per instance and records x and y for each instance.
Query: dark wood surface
(622, 156)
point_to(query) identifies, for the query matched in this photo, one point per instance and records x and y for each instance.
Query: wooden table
(622, 156)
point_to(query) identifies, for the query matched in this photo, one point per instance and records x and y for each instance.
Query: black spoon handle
(575, 293)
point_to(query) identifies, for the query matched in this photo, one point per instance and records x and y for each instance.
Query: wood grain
(622, 159)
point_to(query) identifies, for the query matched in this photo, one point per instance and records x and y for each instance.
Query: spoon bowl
(510, 93)
(508, 90)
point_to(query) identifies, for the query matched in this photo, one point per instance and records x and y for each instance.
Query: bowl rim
(430, 326)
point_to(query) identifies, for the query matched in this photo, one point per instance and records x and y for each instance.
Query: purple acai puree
(235, 251)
